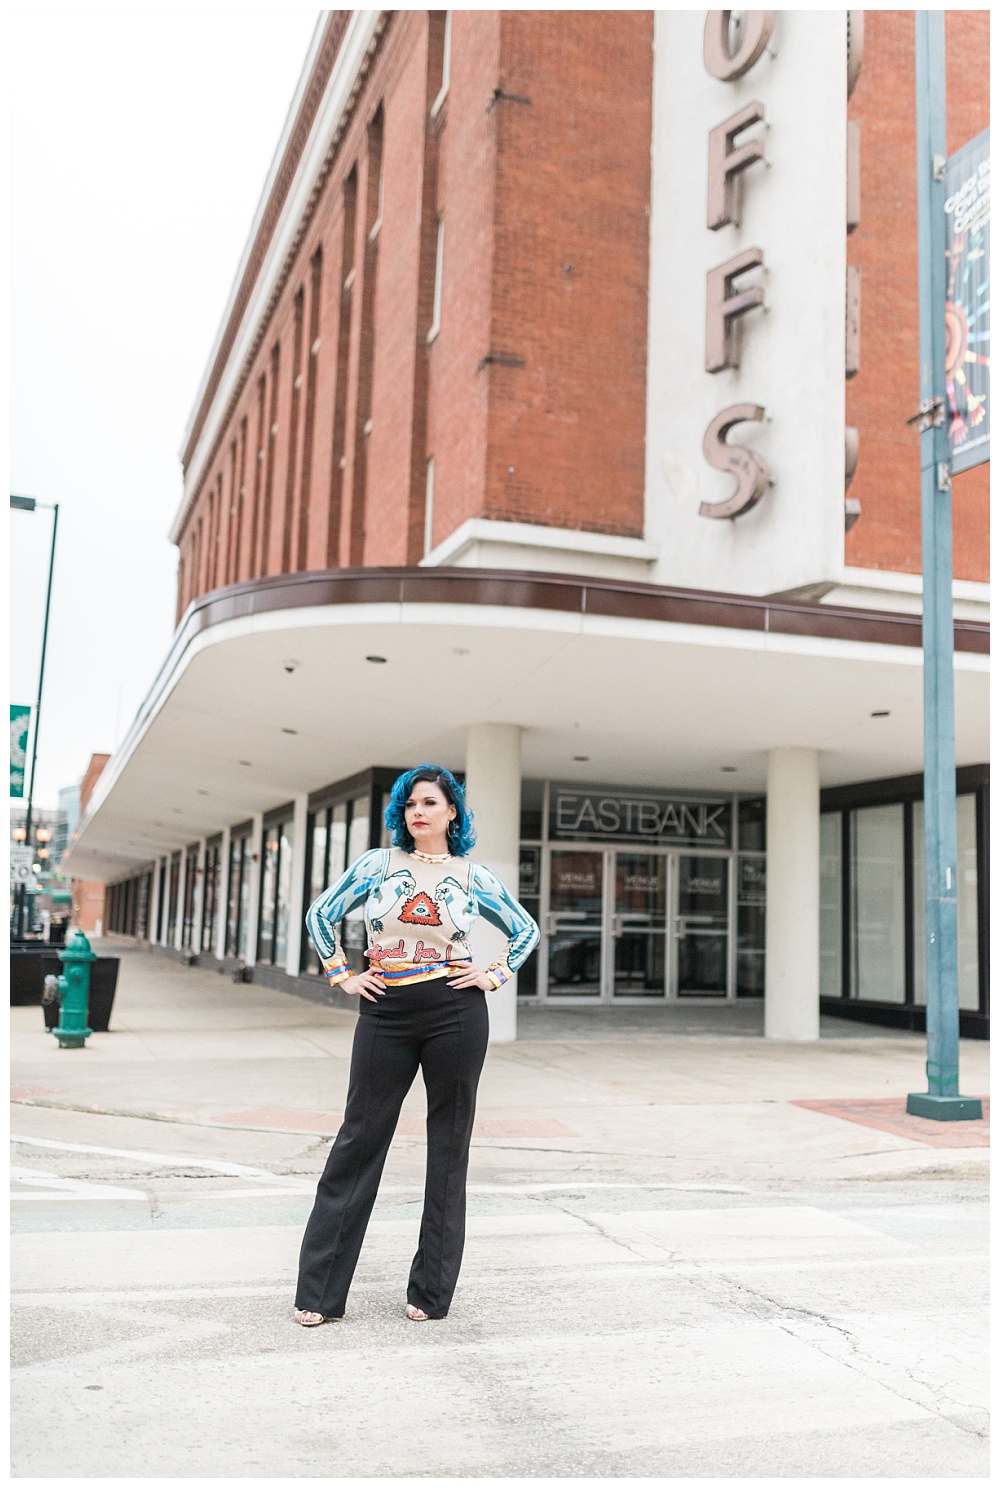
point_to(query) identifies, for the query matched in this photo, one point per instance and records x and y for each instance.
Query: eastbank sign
(661, 819)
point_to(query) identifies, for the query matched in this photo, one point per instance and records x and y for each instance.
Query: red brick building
(438, 346)
(448, 494)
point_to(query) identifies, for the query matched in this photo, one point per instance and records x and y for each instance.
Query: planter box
(30, 964)
(103, 982)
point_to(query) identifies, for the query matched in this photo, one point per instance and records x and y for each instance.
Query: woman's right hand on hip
(367, 983)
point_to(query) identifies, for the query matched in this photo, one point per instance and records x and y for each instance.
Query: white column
(181, 899)
(199, 898)
(222, 913)
(296, 906)
(253, 917)
(493, 791)
(791, 981)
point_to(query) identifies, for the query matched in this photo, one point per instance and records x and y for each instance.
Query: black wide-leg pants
(442, 1031)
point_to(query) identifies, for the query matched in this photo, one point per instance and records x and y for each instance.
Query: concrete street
(673, 1269)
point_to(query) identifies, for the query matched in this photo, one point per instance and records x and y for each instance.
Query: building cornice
(567, 592)
(338, 61)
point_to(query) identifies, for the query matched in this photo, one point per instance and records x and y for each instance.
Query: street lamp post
(941, 1101)
(28, 503)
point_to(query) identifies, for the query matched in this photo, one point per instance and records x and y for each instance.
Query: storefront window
(238, 897)
(575, 922)
(528, 893)
(831, 901)
(338, 843)
(751, 898)
(359, 829)
(338, 836)
(639, 930)
(968, 907)
(175, 879)
(358, 837)
(703, 926)
(209, 919)
(190, 890)
(283, 894)
(161, 908)
(878, 924)
(753, 824)
(143, 906)
(269, 887)
(532, 796)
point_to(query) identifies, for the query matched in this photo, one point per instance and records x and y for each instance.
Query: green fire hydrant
(73, 992)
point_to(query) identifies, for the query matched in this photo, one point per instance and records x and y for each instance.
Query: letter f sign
(724, 306)
(727, 161)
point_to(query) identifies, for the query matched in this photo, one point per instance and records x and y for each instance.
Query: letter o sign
(727, 65)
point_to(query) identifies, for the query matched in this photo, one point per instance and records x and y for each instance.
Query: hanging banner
(20, 718)
(967, 311)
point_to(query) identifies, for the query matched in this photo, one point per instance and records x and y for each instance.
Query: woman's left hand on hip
(470, 976)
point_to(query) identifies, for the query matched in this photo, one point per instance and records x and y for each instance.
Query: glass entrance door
(702, 926)
(575, 922)
(639, 926)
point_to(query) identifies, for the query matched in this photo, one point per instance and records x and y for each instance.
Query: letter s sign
(750, 470)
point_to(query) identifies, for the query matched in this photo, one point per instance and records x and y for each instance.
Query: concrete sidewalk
(673, 1269)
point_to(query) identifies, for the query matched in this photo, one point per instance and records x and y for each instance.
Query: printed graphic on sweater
(417, 916)
(420, 910)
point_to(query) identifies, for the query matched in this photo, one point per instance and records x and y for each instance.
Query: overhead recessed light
(289, 731)
(728, 769)
(582, 759)
(881, 713)
(379, 660)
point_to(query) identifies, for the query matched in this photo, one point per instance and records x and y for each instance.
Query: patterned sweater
(418, 916)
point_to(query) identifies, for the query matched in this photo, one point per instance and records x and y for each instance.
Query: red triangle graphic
(420, 910)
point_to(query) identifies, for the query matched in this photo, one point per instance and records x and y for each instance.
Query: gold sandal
(415, 1315)
(308, 1319)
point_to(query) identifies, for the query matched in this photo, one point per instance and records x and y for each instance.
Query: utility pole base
(945, 1107)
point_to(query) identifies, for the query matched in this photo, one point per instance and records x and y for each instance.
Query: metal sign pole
(28, 503)
(942, 1101)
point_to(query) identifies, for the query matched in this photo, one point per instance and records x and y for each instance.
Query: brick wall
(567, 430)
(886, 390)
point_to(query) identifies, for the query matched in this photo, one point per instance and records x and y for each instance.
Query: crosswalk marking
(68, 1188)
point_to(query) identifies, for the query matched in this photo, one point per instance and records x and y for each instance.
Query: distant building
(88, 894)
(556, 429)
(69, 810)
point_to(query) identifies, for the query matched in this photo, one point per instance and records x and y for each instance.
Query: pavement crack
(785, 1315)
(642, 1250)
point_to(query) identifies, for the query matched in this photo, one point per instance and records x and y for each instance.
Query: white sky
(141, 138)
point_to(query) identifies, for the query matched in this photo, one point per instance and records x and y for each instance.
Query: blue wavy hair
(461, 834)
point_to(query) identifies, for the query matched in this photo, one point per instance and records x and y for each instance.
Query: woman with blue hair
(423, 1006)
